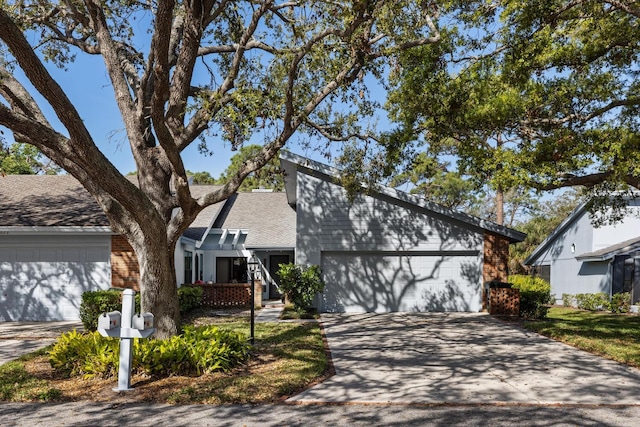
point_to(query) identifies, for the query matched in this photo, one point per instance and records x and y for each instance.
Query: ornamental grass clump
(195, 352)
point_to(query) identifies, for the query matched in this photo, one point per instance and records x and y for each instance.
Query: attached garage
(391, 282)
(383, 250)
(43, 277)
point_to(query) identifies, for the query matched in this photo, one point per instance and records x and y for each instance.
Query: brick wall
(125, 271)
(495, 266)
(496, 258)
(221, 295)
(504, 302)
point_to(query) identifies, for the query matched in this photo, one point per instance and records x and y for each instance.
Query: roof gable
(569, 220)
(292, 164)
(268, 218)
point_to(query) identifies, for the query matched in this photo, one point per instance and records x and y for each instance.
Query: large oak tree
(541, 93)
(193, 72)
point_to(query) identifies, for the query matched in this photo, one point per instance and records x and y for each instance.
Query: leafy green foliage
(592, 302)
(536, 94)
(201, 178)
(567, 300)
(94, 303)
(620, 302)
(535, 295)
(189, 297)
(24, 159)
(269, 177)
(194, 352)
(542, 221)
(300, 284)
(88, 354)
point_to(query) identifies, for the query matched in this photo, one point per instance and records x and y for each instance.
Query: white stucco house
(383, 251)
(578, 257)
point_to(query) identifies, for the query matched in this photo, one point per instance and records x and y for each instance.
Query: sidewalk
(271, 312)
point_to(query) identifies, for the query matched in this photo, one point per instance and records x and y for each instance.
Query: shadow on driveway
(19, 338)
(461, 358)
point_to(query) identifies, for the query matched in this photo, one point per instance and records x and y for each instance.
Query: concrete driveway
(461, 358)
(18, 338)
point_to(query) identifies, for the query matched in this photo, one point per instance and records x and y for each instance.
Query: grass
(286, 359)
(19, 385)
(614, 336)
(290, 312)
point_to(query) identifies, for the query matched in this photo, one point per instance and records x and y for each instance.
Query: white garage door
(390, 282)
(45, 281)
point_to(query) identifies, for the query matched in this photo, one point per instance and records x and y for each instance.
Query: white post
(126, 347)
(126, 326)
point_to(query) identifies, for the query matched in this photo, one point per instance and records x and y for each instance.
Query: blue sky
(87, 85)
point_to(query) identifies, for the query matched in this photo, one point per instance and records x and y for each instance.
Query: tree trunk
(159, 292)
(500, 206)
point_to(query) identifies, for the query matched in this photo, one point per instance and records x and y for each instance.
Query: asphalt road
(89, 414)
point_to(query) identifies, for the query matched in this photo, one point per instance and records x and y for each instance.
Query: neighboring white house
(580, 258)
(383, 251)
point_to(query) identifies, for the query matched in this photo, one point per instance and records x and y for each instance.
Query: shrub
(94, 303)
(189, 297)
(300, 284)
(195, 351)
(88, 354)
(535, 295)
(620, 303)
(567, 300)
(592, 302)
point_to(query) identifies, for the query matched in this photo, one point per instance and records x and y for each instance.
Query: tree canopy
(268, 177)
(540, 94)
(184, 73)
(24, 159)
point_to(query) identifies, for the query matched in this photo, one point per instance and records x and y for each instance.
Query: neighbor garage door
(43, 279)
(389, 282)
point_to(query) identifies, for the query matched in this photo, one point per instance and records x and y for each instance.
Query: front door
(274, 267)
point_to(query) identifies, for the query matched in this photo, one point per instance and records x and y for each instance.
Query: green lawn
(614, 336)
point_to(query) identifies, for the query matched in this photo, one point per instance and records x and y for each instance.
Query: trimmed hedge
(94, 303)
(618, 303)
(194, 352)
(535, 296)
(593, 302)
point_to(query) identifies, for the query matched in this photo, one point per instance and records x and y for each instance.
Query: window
(231, 270)
(188, 267)
(542, 271)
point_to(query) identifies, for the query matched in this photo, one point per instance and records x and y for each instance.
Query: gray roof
(61, 201)
(203, 221)
(610, 251)
(269, 219)
(291, 163)
(47, 201)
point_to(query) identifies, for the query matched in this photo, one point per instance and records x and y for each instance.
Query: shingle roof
(269, 219)
(611, 251)
(292, 163)
(47, 201)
